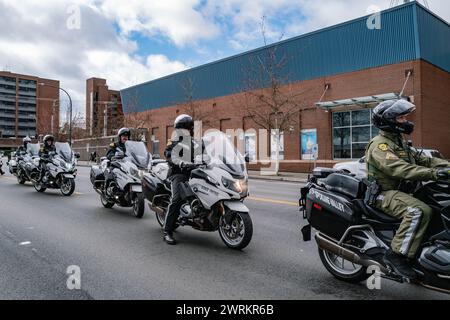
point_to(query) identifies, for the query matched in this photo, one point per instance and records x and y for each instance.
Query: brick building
(342, 72)
(29, 106)
(103, 108)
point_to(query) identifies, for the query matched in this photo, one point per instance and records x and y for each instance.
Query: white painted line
(25, 243)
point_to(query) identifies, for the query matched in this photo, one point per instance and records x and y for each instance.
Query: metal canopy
(357, 101)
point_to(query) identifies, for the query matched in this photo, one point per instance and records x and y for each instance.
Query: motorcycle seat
(376, 214)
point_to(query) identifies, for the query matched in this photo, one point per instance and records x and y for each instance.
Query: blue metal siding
(347, 47)
(434, 35)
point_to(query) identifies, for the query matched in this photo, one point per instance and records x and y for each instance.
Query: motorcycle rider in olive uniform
(397, 168)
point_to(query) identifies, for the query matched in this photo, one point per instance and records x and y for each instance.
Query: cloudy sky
(131, 41)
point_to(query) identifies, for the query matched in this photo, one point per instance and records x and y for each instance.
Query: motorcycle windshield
(33, 149)
(64, 151)
(136, 152)
(223, 154)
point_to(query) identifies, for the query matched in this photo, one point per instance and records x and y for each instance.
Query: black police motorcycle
(118, 182)
(353, 236)
(58, 170)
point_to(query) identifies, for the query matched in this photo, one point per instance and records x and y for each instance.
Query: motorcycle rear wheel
(342, 269)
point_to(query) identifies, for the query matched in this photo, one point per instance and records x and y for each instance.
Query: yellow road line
(289, 203)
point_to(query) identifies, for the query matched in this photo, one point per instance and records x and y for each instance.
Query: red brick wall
(435, 118)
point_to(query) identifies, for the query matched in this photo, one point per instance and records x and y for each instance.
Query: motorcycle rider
(179, 153)
(123, 135)
(47, 148)
(396, 168)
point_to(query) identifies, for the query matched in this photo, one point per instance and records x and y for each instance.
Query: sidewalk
(283, 176)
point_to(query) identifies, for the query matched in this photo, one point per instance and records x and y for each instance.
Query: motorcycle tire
(39, 188)
(245, 222)
(107, 204)
(139, 206)
(67, 187)
(358, 275)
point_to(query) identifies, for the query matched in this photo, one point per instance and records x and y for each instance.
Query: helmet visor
(400, 108)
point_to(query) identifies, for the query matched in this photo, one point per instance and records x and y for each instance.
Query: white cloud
(35, 40)
(177, 20)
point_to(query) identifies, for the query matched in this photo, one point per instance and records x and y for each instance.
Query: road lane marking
(25, 243)
(289, 203)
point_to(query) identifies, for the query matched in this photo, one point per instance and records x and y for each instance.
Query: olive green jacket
(390, 161)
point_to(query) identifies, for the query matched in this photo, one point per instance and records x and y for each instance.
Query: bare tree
(271, 102)
(191, 106)
(138, 122)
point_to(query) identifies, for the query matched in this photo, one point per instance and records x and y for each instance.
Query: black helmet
(26, 140)
(124, 132)
(386, 113)
(48, 138)
(184, 121)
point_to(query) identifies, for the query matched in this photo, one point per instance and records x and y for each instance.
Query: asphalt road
(121, 257)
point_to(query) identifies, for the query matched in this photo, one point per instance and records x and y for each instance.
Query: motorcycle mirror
(247, 158)
(77, 155)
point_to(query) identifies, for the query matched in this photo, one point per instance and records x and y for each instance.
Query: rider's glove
(187, 165)
(443, 173)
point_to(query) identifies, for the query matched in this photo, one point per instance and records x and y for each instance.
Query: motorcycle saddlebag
(329, 213)
(96, 176)
(151, 186)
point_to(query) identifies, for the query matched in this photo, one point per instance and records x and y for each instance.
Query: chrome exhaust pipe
(330, 246)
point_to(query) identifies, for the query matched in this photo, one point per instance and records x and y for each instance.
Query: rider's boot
(399, 264)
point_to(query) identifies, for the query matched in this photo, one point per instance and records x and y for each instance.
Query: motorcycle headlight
(134, 173)
(68, 166)
(233, 185)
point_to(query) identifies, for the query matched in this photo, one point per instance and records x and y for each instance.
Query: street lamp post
(70, 106)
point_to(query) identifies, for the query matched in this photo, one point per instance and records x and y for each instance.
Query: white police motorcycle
(58, 171)
(213, 196)
(118, 182)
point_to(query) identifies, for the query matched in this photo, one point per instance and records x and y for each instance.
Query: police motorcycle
(28, 164)
(58, 171)
(12, 163)
(118, 182)
(213, 195)
(352, 236)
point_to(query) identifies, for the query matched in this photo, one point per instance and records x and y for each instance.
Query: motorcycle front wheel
(238, 233)
(107, 204)
(39, 187)
(67, 187)
(20, 178)
(342, 269)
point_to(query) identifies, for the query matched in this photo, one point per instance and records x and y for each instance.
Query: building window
(352, 131)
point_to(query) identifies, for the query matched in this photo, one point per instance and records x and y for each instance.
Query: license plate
(69, 176)
(136, 188)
